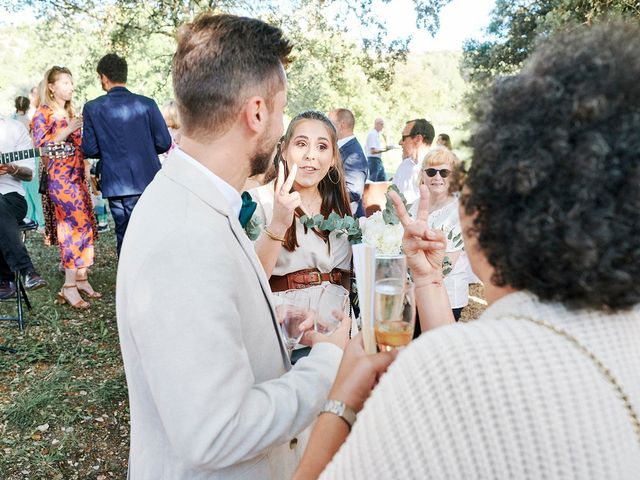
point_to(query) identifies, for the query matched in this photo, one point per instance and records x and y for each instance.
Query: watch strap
(341, 410)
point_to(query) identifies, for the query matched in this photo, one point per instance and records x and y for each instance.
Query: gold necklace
(635, 419)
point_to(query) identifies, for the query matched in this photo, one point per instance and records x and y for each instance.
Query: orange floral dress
(75, 228)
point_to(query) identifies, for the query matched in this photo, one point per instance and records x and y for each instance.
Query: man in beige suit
(212, 392)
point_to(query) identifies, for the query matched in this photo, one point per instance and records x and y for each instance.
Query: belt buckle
(335, 277)
(315, 282)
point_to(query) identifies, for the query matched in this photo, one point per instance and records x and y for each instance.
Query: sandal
(89, 293)
(62, 299)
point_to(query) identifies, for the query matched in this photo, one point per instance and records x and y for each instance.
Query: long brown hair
(332, 187)
(47, 97)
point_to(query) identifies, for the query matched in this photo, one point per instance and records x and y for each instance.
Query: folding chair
(21, 294)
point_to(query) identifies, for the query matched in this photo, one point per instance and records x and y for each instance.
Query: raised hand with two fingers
(424, 248)
(285, 202)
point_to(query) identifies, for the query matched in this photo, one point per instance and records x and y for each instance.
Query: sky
(459, 21)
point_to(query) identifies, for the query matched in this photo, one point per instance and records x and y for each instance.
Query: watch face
(341, 410)
(337, 407)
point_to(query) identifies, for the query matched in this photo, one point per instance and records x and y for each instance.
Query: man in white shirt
(374, 150)
(212, 391)
(416, 140)
(14, 139)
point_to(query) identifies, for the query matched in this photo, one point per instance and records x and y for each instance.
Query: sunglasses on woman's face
(431, 172)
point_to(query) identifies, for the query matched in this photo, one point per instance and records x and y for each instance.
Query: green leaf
(333, 216)
(253, 228)
(317, 219)
(446, 271)
(450, 235)
(328, 224)
(304, 219)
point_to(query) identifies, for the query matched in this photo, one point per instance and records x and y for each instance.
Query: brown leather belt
(309, 278)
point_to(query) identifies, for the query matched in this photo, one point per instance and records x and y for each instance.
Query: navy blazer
(356, 171)
(127, 132)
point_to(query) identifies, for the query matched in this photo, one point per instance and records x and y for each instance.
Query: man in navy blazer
(126, 132)
(354, 161)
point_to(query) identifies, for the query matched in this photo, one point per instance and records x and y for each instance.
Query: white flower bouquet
(385, 237)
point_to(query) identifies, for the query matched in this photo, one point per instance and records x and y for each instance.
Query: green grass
(63, 397)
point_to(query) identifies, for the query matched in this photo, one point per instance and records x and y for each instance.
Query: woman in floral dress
(74, 228)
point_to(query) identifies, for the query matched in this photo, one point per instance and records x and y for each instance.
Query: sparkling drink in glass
(395, 313)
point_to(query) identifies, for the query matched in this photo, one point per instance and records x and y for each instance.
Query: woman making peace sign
(293, 256)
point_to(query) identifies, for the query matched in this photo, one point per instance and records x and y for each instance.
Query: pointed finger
(288, 184)
(401, 211)
(423, 206)
(280, 179)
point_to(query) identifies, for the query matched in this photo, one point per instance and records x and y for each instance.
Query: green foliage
(254, 227)
(350, 226)
(331, 68)
(515, 26)
(128, 27)
(390, 214)
(346, 225)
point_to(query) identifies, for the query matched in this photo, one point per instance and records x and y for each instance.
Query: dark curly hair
(113, 67)
(555, 175)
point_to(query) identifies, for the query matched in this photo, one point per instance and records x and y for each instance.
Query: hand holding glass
(292, 309)
(332, 304)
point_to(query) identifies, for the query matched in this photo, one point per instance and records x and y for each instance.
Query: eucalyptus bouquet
(381, 230)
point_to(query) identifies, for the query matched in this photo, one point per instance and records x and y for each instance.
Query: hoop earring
(335, 182)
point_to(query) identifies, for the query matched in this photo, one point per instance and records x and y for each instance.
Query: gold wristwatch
(340, 409)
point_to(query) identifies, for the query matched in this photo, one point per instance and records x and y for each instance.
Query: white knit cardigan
(504, 398)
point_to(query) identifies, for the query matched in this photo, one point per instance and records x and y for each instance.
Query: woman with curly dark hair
(545, 384)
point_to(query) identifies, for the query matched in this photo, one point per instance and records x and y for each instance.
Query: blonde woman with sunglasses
(440, 169)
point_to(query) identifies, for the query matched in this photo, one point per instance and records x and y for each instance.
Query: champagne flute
(395, 314)
(333, 302)
(391, 266)
(393, 322)
(292, 308)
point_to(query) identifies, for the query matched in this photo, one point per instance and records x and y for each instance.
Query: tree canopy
(516, 24)
(125, 26)
(366, 71)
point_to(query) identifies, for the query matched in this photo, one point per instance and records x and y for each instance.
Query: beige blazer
(211, 390)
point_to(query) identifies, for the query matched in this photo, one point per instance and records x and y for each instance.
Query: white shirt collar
(344, 140)
(229, 193)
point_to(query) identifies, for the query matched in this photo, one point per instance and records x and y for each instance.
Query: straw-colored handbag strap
(635, 419)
